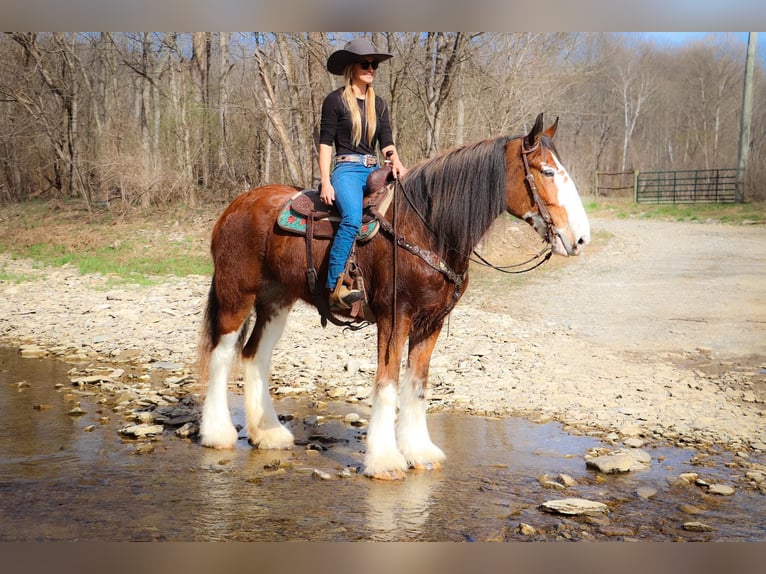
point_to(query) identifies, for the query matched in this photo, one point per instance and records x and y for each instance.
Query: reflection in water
(399, 510)
(61, 482)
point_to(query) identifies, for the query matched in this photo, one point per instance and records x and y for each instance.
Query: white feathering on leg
(383, 456)
(412, 429)
(263, 425)
(216, 428)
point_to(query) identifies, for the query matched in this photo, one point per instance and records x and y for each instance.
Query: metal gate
(687, 186)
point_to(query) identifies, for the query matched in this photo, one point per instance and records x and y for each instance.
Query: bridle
(550, 229)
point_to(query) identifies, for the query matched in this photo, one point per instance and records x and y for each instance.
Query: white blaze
(569, 199)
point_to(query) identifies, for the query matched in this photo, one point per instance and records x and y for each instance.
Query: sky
(675, 39)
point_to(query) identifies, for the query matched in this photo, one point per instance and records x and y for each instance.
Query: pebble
(527, 530)
(187, 430)
(619, 461)
(574, 506)
(567, 480)
(695, 526)
(76, 411)
(141, 430)
(320, 475)
(351, 418)
(689, 477)
(721, 490)
(690, 509)
(645, 492)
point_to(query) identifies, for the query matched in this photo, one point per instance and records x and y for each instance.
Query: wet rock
(695, 526)
(42, 406)
(527, 530)
(645, 492)
(32, 352)
(619, 461)
(351, 418)
(187, 430)
(633, 442)
(616, 531)
(689, 477)
(141, 430)
(721, 490)
(690, 509)
(566, 480)
(144, 448)
(547, 483)
(574, 506)
(76, 411)
(756, 476)
(320, 475)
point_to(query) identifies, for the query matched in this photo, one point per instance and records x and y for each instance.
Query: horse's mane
(460, 193)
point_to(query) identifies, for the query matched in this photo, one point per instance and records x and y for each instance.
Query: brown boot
(342, 297)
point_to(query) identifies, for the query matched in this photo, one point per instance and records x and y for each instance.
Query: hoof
(223, 437)
(278, 438)
(427, 466)
(389, 475)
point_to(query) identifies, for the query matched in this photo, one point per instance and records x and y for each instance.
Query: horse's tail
(210, 334)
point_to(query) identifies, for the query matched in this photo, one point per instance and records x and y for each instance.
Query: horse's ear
(552, 130)
(534, 134)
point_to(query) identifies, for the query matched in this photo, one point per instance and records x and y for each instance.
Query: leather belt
(365, 160)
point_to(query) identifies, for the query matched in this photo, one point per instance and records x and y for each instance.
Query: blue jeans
(349, 181)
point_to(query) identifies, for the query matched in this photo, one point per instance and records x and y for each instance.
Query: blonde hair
(371, 117)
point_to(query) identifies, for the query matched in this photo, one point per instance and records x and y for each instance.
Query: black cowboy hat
(352, 52)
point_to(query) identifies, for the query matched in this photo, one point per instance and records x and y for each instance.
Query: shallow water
(60, 481)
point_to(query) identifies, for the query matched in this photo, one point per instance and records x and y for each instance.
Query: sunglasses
(367, 64)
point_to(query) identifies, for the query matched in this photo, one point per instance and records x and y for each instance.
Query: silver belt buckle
(370, 161)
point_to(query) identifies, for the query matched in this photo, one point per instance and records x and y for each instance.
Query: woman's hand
(327, 193)
(398, 169)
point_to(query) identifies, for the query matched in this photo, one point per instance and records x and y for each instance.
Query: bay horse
(413, 278)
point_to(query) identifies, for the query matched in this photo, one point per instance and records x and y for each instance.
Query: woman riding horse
(354, 120)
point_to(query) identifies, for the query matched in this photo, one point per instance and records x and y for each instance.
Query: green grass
(14, 277)
(730, 213)
(130, 261)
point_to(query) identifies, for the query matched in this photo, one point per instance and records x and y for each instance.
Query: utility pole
(747, 111)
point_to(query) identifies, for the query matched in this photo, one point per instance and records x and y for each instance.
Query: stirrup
(342, 297)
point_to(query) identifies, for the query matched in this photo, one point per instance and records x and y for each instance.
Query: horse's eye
(548, 171)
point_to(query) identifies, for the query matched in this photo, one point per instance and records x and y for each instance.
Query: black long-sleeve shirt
(335, 127)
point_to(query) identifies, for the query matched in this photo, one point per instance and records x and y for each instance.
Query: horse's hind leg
(216, 429)
(263, 426)
(219, 346)
(412, 434)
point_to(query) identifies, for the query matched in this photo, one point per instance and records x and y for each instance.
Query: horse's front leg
(383, 459)
(263, 426)
(412, 430)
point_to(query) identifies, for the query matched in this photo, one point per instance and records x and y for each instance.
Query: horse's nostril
(581, 241)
